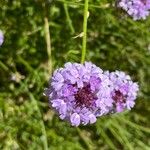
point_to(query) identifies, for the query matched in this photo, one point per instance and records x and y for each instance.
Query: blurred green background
(115, 42)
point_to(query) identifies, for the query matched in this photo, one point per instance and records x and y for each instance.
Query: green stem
(78, 4)
(84, 31)
(3, 66)
(68, 19)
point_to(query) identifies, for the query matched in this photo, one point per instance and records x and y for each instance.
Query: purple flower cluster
(82, 92)
(138, 9)
(1, 38)
(124, 91)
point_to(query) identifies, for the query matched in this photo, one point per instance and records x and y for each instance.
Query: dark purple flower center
(84, 96)
(119, 97)
(144, 2)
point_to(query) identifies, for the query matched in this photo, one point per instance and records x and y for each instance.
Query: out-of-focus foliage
(115, 42)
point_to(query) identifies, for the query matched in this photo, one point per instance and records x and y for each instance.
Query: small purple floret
(138, 9)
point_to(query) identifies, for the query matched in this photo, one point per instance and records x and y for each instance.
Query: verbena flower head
(124, 92)
(80, 93)
(1, 37)
(138, 9)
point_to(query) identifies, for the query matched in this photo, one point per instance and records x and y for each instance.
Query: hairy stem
(84, 31)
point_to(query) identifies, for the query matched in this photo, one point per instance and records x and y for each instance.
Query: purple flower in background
(124, 92)
(1, 37)
(80, 93)
(138, 9)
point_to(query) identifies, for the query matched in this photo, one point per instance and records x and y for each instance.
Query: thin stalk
(47, 36)
(3, 66)
(84, 31)
(78, 4)
(68, 19)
